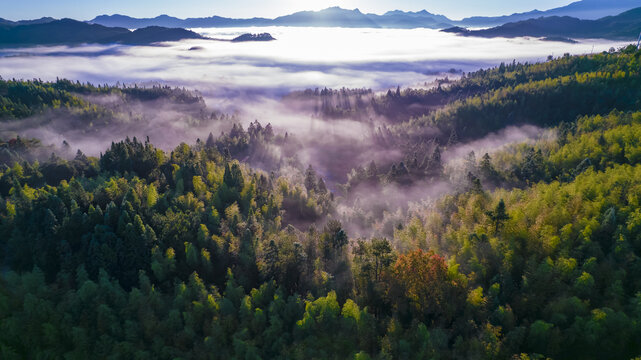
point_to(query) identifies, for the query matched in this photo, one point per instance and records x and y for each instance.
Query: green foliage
(190, 254)
(21, 99)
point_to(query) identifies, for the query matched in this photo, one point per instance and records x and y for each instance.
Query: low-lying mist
(250, 78)
(244, 82)
(299, 58)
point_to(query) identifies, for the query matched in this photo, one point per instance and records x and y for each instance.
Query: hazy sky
(87, 9)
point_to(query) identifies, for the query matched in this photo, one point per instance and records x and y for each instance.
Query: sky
(88, 9)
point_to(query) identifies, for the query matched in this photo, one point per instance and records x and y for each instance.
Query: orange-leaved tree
(422, 286)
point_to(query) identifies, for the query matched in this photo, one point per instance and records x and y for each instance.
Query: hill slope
(586, 9)
(625, 26)
(67, 31)
(26, 22)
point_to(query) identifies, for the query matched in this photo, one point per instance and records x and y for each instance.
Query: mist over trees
(238, 246)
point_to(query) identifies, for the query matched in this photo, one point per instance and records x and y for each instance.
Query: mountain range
(625, 26)
(552, 24)
(70, 32)
(330, 17)
(338, 17)
(4, 22)
(586, 10)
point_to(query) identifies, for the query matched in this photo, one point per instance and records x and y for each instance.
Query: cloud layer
(249, 79)
(300, 58)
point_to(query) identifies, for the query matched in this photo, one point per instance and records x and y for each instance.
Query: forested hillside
(49, 31)
(623, 26)
(532, 251)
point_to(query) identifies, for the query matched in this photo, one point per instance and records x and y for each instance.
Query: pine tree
(435, 165)
(211, 142)
(498, 215)
(310, 179)
(470, 163)
(270, 261)
(453, 138)
(486, 169)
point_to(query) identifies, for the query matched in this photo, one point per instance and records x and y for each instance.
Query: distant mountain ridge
(330, 17)
(71, 32)
(339, 17)
(4, 22)
(118, 20)
(586, 10)
(625, 26)
(594, 9)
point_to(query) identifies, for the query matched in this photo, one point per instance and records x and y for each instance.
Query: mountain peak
(339, 9)
(335, 8)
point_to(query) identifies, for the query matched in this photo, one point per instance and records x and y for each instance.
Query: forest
(231, 246)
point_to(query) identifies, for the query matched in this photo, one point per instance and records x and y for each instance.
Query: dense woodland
(532, 252)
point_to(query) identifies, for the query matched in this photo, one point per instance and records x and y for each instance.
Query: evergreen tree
(311, 181)
(211, 142)
(498, 216)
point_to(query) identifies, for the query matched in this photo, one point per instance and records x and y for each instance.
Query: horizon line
(272, 18)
